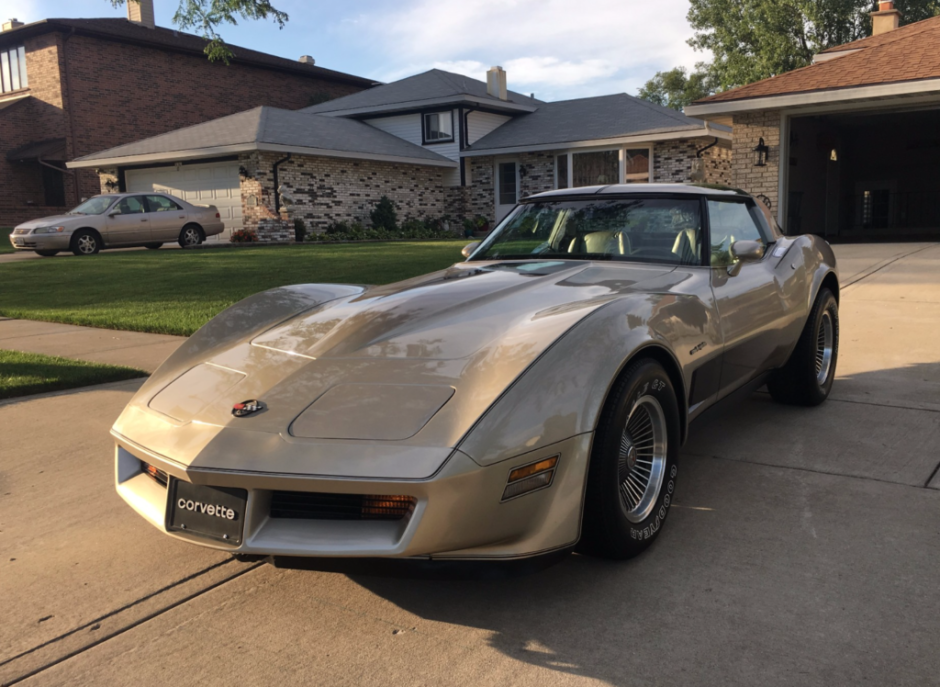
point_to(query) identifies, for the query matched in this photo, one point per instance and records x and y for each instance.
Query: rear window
(655, 230)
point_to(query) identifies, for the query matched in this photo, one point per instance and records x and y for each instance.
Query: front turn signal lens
(531, 477)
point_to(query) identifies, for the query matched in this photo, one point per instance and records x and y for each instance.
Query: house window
(561, 171)
(637, 166)
(13, 70)
(53, 186)
(593, 169)
(507, 183)
(438, 127)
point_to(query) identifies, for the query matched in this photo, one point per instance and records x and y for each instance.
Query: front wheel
(806, 379)
(152, 246)
(47, 253)
(85, 242)
(632, 476)
(190, 236)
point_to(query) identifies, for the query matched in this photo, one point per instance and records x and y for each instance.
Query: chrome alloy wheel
(825, 338)
(642, 463)
(191, 236)
(86, 244)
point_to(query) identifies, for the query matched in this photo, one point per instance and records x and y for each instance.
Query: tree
(676, 88)
(756, 39)
(206, 16)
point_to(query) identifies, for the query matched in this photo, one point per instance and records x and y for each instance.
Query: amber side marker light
(154, 473)
(531, 477)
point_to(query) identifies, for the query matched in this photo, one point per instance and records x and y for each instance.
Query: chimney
(11, 24)
(885, 19)
(496, 83)
(141, 12)
(306, 59)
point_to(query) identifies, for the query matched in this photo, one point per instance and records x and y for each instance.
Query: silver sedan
(120, 220)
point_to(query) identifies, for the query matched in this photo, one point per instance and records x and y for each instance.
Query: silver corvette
(517, 405)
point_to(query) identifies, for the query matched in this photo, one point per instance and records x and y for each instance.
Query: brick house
(436, 143)
(69, 87)
(848, 147)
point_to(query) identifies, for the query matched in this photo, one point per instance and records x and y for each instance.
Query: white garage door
(214, 183)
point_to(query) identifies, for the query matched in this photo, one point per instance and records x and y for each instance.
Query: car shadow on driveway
(801, 549)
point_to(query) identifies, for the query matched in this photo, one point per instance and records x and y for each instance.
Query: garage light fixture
(762, 150)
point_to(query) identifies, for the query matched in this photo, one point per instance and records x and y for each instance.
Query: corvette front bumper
(458, 514)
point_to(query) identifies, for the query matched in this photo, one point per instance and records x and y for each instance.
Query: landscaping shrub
(410, 229)
(244, 236)
(300, 229)
(383, 215)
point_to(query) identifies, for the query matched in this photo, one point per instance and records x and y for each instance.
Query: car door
(748, 296)
(166, 218)
(127, 223)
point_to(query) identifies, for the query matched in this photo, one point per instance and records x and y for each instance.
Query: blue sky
(555, 48)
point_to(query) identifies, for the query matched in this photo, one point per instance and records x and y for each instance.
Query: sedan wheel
(85, 243)
(47, 253)
(632, 476)
(190, 236)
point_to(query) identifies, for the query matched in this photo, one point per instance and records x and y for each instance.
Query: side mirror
(745, 251)
(469, 248)
(114, 214)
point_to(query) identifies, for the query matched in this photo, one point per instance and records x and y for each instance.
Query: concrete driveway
(804, 550)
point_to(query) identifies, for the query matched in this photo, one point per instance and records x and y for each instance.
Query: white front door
(213, 183)
(507, 187)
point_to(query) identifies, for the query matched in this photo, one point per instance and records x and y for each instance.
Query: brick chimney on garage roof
(885, 19)
(141, 12)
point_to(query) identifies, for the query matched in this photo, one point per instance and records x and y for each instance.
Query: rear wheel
(47, 253)
(806, 379)
(190, 236)
(85, 242)
(633, 469)
(152, 246)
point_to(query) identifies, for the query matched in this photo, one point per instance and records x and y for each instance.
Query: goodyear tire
(85, 242)
(806, 379)
(632, 475)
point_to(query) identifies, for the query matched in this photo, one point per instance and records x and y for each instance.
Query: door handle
(143, 220)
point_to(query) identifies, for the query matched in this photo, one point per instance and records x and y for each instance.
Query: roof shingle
(911, 53)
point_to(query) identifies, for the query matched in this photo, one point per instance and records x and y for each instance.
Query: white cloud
(557, 48)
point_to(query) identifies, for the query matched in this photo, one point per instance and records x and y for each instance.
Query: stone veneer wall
(536, 174)
(761, 182)
(672, 161)
(326, 190)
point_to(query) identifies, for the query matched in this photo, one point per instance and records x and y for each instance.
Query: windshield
(657, 230)
(93, 206)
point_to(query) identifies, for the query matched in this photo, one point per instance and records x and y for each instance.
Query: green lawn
(5, 246)
(22, 374)
(176, 292)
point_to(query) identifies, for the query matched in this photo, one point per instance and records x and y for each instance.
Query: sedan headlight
(48, 230)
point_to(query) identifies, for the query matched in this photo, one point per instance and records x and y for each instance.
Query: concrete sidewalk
(110, 346)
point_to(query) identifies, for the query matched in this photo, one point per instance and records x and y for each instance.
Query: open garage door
(213, 183)
(865, 175)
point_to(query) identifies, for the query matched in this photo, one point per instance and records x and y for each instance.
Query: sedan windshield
(93, 206)
(657, 230)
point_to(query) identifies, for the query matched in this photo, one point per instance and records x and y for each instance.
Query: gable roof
(269, 129)
(907, 54)
(124, 31)
(589, 119)
(428, 89)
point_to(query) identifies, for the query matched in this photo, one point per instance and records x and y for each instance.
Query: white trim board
(220, 151)
(811, 98)
(604, 143)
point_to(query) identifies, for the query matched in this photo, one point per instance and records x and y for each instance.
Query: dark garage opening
(865, 176)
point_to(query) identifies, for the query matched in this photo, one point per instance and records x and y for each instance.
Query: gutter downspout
(277, 184)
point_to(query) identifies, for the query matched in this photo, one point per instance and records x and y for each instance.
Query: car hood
(409, 367)
(53, 220)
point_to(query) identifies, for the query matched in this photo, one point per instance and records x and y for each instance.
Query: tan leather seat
(608, 242)
(686, 247)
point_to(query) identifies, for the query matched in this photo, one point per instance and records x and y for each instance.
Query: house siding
(408, 127)
(326, 190)
(479, 124)
(94, 110)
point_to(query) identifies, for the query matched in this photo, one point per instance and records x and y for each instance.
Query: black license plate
(214, 512)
